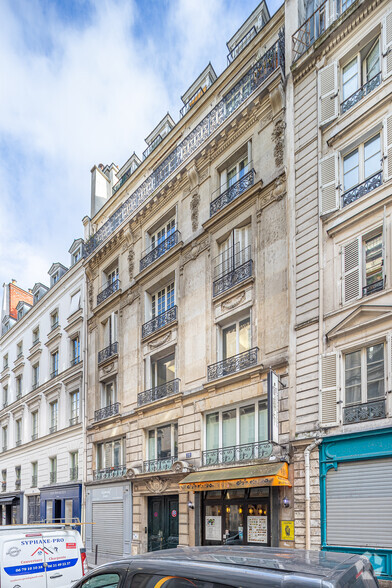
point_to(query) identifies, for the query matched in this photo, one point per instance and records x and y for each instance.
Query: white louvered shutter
(328, 184)
(388, 147)
(389, 361)
(352, 270)
(384, 247)
(328, 93)
(328, 389)
(387, 45)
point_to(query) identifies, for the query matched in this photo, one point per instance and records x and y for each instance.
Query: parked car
(41, 556)
(234, 567)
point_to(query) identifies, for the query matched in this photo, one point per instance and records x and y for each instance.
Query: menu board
(213, 530)
(257, 530)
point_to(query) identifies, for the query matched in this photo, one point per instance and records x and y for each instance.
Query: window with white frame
(241, 425)
(34, 425)
(34, 474)
(73, 464)
(5, 396)
(5, 361)
(18, 431)
(110, 329)
(364, 374)
(163, 370)
(162, 233)
(4, 437)
(110, 276)
(75, 407)
(54, 361)
(109, 393)
(3, 479)
(54, 319)
(35, 375)
(110, 454)
(75, 350)
(162, 442)
(75, 302)
(52, 471)
(53, 412)
(35, 335)
(362, 68)
(236, 338)
(18, 382)
(77, 256)
(363, 265)
(19, 350)
(234, 251)
(362, 163)
(162, 300)
(18, 472)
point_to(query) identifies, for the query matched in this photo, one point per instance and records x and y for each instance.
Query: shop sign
(287, 530)
(213, 529)
(257, 530)
(273, 406)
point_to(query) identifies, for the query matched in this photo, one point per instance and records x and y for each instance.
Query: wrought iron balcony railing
(246, 39)
(367, 186)
(106, 412)
(18, 442)
(317, 24)
(53, 429)
(4, 486)
(159, 392)
(74, 421)
(159, 321)
(235, 266)
(109, 351)
(372, 288)
(272, 60)
(53, 477)
(153, 253)
(244, 182)
(153, 146)
(17, 484)
(359, 94)
(73, 474)
(34, 481)
(233, 364)
(193, 99)
(376, 409)
(236, 453)
(108, 473)
(34, 436)
(108, 290)
(159, 465)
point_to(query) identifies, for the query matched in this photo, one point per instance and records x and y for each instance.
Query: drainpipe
(307, 453)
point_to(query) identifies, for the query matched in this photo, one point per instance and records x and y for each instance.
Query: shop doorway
(33, 509)
(237, 517)
(162, 522)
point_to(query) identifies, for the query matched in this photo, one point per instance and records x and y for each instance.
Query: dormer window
(76, 256)
(38, 291)
(56, 272)
(55, 278)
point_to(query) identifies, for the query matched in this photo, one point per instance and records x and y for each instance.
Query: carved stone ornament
(193, 176)
(181, 467)
(278, 138)
(131, 262)
(133, 472)
(194, 205)
(279, 188)
(108, 368)
(196, 249)
(90, 289)
(92, 325)
(161, 341)
(156, 485)
(233, 302)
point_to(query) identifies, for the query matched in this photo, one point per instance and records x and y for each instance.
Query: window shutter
(352, 270)
(388, 147)
(389, 363)
(329, 184)
(384, 247)
(328, 93)
(387, 45)
(328, 389)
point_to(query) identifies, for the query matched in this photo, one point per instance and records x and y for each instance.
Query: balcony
(73, 474)
(3, 486)
(106, 412)
(242, 183)
(73, 421)
(152, 253)
(361, 93)
(18, 442)
(108, 290)
(109, 473)
(158, 139)
(367, 186)
(359, 413)
(109, 351)
(34, 436)
(317, 24)
(372, 288)
(237, 453)
(34, 481)
(233, 364)
(159, 392)
(235, 266)
(53, 477)
(17, 484)
(246, 39)
(160, 321)
(159, 465)
(75, 360)
(53, 429)
(193, 99)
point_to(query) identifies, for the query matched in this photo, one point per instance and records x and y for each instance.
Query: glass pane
(243, 167)
(231, 176)
(68, 510)
(229, 428)
(229, 342)
(165, 370)
(212, 431)
(170, 296)
(375, 371)
(49, 511)
(351, 170)
(213, 523)
(353, 377)
(372, 156)
(234, 525)
(263, 420)
(161, 302)
(244, 337)
(247, 424)
(151, 445)
(230, 494)
(175, 438)
(259, 492)
(117, 453)
(373, 259)
(350, 78)
(164, 442)
(373, 62)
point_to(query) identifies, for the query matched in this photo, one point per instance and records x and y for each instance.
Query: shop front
(60, 504)
(11, 509)
(239, 506)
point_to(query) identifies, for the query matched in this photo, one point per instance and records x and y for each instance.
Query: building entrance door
(33, 509)
(162, 522)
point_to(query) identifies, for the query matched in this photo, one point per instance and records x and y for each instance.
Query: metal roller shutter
(108, 531)
(359, 504)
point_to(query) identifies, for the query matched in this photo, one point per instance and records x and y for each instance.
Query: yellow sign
(287, 530)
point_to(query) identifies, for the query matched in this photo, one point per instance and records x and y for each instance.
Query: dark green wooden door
(162, 522)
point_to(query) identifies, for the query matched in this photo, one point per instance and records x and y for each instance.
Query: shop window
(364, 374)
(363, 265)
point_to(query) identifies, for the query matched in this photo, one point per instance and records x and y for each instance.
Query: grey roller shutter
(359, 504)
(108, 529)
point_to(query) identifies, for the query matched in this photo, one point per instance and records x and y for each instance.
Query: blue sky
(84, 82)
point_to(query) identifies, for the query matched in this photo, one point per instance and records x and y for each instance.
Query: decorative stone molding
(278, 138)
(131, 262)
(193, 176)
(195, 250)
(279, 188)
(233, 302)
(92, 324)
(161, 341)
(194, 206)
(131, 295)
(156, 485)
(181, 467)
(90, 293)
(134, 471)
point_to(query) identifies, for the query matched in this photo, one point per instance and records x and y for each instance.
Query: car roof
(323, 564)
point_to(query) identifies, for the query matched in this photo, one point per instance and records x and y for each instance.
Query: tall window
(233, 251)
(35, 335)
(54, 319)
(5, 361)
(237, 171)
(163, 370)
(34, 474)
(163, 233)
(17, 476)
(236, 338)
(363, 266)
(111, 454)
(361, 69)
(73, 465)
(53, 470)
(373, 255)
(108, 393)
(75, 350)
(362, 163)
(162, 300)
(54, 409)
(5, 396)
(365, 374)
(35, 376)
(54, 359)
(19, 350)
(4, 436)
(110, 329)
(74, 418)
(34, 425)
(18, 383)
(4, 480)
(18, 431)
(163, 442)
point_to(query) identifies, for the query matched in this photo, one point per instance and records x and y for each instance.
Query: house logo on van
(13, 552)
(42, 551)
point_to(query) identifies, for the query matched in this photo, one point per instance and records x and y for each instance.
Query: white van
(41, 556)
